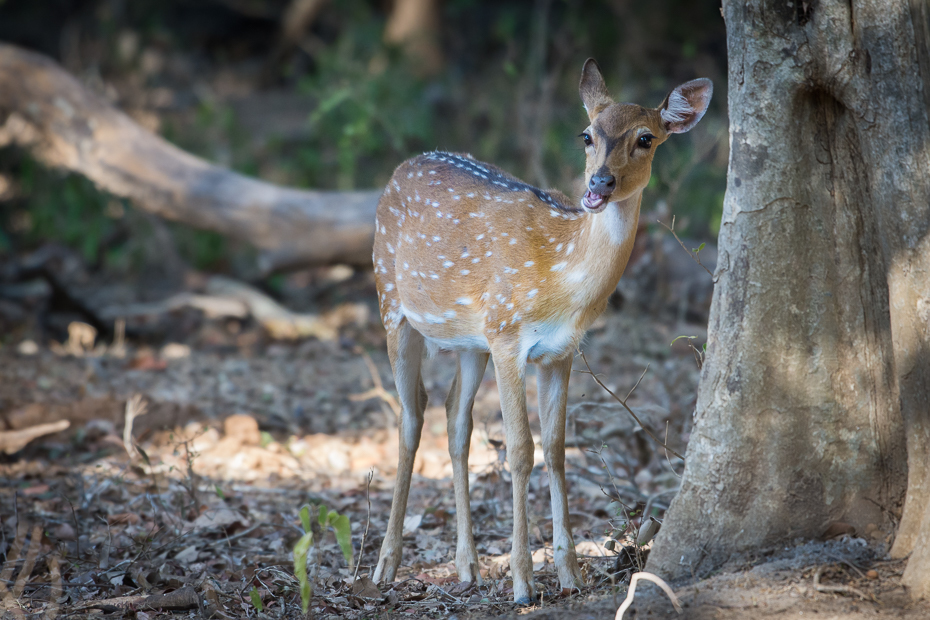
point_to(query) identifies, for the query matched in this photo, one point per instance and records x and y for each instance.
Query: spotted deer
(470, 259)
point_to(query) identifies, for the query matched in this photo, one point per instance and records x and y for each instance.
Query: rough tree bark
(47, 111)
(814, 402)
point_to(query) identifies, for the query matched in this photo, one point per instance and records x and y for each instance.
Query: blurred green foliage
(507, 94)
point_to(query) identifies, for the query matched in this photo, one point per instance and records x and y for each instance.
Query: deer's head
(622, 137)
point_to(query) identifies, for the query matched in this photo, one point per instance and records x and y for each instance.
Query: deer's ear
(593, 90)
(686, 104)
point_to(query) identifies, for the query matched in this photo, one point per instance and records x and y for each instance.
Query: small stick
(135, 407)
(693, 255)
(836, 589)
(361, 549)
(625, 406)
(632, 592)
(378, 390)
(638, 381)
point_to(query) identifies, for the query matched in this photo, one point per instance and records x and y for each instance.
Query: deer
(470, 259)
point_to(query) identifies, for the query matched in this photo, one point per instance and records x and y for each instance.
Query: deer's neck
(604, 244)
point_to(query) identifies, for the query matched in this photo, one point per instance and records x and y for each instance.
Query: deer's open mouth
(594, 202)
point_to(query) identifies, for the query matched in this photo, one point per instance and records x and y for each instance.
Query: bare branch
(625, 406)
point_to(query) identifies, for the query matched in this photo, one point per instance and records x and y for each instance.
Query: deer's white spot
(464, 272)
(433, 319)
(532, 294)
(488, 253)
(449, 314)
(559, 266)
(510, 270)
(513, 241)
(463, 301)
(558, 248)
(475, 260)
(447, 264)
(528, 263)
(570, 248)
(388, 287)
(479, 237)
(576, 276)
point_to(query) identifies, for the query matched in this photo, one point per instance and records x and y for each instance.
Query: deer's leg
(405, 348)
(471, 365)
(552, 383)
(511, 382)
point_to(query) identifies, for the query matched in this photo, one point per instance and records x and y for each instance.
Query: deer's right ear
(593, 90)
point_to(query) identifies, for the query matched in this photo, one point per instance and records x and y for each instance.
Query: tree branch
(47, 111)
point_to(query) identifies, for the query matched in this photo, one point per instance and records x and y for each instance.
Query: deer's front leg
(552, 384)
(511, 382)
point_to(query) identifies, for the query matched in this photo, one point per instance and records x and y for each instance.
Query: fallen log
(47, 111)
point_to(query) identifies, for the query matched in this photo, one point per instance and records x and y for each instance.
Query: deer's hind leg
(461, 399)
(405, 349)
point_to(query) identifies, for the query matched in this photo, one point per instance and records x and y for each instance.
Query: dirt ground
(238, 432)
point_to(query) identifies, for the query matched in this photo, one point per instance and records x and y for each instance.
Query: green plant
(327, 519)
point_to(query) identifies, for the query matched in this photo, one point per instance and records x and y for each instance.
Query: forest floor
(239, 431)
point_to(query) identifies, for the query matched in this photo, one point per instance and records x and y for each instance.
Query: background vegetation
(340, 108)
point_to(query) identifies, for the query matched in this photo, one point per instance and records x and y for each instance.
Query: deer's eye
(645, 140)
(586, 138)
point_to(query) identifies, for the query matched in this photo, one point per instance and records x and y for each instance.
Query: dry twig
(361, 549)
(378, 390)
(632, 592)
(622, 401)
(135, 407)
(694, 255)
(837, 589)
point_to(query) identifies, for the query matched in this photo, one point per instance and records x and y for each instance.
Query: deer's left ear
(686, 104)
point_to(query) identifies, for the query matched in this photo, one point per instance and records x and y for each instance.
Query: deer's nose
(602, 184)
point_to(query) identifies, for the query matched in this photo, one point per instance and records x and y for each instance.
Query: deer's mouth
(595, 203)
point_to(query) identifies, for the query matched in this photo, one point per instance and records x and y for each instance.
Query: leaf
(256, 599)
(679, 338)
(699, 248)
(305, 517)
(704, 347)
(322, 515)
(219, 491)
(344, 537)
(301, 549)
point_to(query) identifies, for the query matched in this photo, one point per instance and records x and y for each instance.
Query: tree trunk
(46, 110)
(818, 356)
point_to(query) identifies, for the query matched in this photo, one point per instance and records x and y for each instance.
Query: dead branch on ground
(46, 111)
